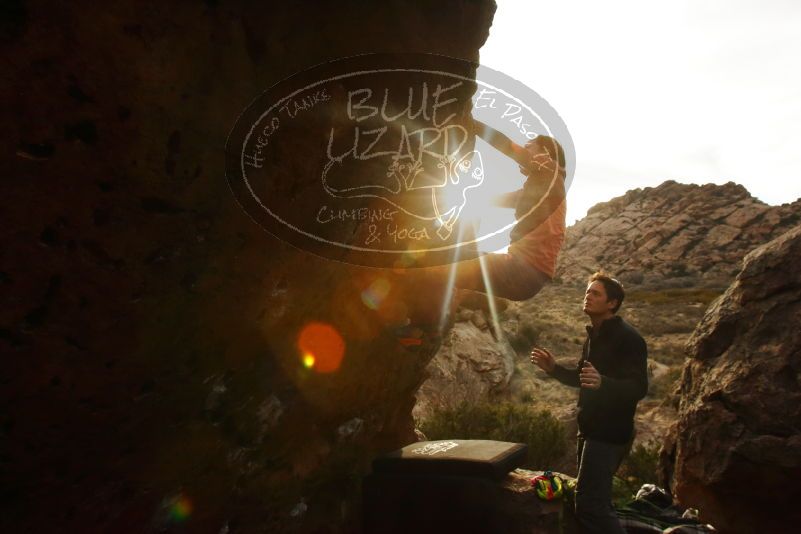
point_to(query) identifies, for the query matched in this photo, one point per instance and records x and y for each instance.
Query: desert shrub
(621, 491)
(539, 429)
(641, 463)
(633, 277)
(639, 467)
(677, 268)
(669, 356)
(527, 336)
(675, 296)
(662, 387)
(659, 326)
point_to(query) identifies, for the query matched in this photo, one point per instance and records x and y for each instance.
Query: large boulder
(735, 452)
(154, 371)
(472, 365)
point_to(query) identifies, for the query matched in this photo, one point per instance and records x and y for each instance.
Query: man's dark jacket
(619, 353)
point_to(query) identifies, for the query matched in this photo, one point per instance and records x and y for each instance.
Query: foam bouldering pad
(486, 459)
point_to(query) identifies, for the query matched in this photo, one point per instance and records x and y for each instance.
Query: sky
(697, 92)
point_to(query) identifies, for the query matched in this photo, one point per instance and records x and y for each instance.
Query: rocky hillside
(673, 235)
(735, 451)
(471, 365)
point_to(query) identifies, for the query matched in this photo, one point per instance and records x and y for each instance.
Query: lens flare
(449, 289)
(490, 297)
(375, 294)
(321, 347)
(180, 508)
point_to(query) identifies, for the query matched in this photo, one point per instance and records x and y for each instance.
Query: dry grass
(544, 435)
(682, 296)
(638, 468)
(662, 387)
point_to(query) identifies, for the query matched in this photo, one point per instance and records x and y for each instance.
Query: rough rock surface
(735, 452)
(471, 365)
(673, 235)
(152, 378)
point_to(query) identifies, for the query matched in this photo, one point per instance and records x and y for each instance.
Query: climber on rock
(540, 210)
(536, 238)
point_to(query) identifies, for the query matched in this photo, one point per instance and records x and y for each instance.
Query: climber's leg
(508, 276)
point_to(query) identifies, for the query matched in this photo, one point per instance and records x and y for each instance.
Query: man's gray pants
(597, 463)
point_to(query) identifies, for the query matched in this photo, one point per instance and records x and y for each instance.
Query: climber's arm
(502, 143)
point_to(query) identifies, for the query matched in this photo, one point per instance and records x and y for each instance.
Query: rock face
(735, 452)
(154, 377)
(673, 235)
(471, 365)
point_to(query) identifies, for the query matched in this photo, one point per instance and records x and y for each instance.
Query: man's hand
(543, 359)
(589, 376)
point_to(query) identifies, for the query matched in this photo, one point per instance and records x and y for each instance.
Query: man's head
(604, 295)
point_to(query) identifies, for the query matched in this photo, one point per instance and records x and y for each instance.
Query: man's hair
(614, 289)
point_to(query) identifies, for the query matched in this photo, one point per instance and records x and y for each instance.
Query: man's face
(595, 300)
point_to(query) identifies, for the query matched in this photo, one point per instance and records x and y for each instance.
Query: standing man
(612, 375)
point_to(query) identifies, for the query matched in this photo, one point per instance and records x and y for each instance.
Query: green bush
(672, 356)
(674, 296)
(621, 492)
(663, 386)
(641, 463)
(639, 467)
(540, 430)
(525, 338)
